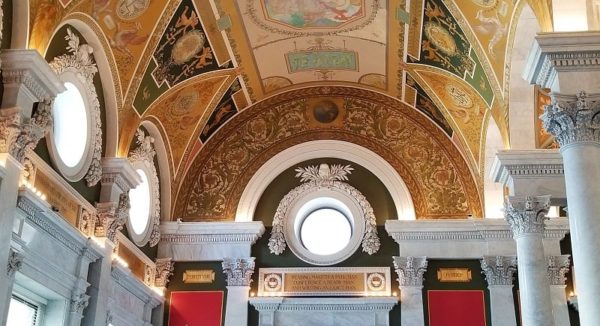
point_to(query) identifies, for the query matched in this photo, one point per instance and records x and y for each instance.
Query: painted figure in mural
(313, 13)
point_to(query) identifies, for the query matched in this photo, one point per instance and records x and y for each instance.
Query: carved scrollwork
(111, 217)
(80, 61)
(410, 270)
(526, 215)
(315, 178)
(20, 134)
(558, 267)
(573, 119)
(15, 262)
(144, 153)
(164, 270)
(499, 270)
(238, 271)
(79, 302)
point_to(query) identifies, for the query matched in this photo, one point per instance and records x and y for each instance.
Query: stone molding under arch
(439, 180)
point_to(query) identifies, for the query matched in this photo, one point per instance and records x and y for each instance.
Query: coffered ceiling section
(300, 41)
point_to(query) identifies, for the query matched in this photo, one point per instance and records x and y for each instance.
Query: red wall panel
(456, 308)
(198, 308)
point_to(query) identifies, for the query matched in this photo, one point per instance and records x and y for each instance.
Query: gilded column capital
(112, 217)
(238, 271)
(573, 118)
(164, 270)
(410, 270)
(499, 270)
(558, 266)
(526, 215)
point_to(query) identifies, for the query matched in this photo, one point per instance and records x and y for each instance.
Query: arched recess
(325, 148)
(164, 172)
(438, 178)
(108, 83)
(493, 193)
(521, 94)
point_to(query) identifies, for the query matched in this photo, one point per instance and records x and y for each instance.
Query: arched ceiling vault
(191, 66)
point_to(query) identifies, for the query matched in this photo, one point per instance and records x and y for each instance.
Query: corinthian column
(558, 266)
(239, 275)
(526, 217)
(574, 122)
(410, 272)
(499, 273)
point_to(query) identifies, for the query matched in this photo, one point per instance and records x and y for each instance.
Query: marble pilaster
(526, 217)
(499, 273)
(239, 276)
(558, 266)
(410, 272)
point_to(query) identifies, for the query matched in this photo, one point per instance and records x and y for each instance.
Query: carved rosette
(573, 119)
(111, 218)
(315, 178)
(526, 215)
(164, 270)
(499, 270)
(238, 271)
(410, 270)
(79, 302)
(558, 267)
(15, 262)
(80, 61)
(144, 153)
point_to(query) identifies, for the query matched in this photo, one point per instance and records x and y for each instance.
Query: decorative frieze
(573, 118)
(499, 270)
(526, 215)
(558, 267)
(164, 270)
(15, 262)
(111, 217)
(410, 270)
(238, 271)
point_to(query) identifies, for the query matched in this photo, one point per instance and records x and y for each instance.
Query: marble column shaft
(239, 276)
(526, 217)
(558, 266)
(499, 273)
(573, 122)
(410, 272)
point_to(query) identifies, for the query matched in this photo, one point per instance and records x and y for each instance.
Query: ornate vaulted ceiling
(199, 69)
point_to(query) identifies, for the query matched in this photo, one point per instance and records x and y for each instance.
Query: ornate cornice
(238, 271)
(15, 262)
(410, 270)
(499, 270)
(164, 270)
(573, 119)
(526, 215)
(558, 266)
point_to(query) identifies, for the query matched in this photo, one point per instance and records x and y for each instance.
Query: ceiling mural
(437, 177)
(420, 100)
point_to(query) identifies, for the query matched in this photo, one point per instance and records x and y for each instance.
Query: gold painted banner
(315, 281)
(199, 276)
(458, 275)
(66, 204)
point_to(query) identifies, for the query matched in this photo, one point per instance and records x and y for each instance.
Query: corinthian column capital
(499, 270)
(558, 266)
(573, 118)
(526, 215)
(410, 270)
(238, 271)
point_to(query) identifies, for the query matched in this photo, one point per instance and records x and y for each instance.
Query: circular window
(140, 201)
(70, 132)
(316, 235)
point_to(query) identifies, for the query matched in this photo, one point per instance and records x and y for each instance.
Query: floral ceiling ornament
(80, 61)
(315, 178)
(144, 153)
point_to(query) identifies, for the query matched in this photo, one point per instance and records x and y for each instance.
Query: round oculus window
(70, 132)
(139, 200)
(325, 231)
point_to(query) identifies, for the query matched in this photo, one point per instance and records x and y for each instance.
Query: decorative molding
(238, 271)
(499, 270)
(315, 178)
(130, 283)
(526, 215)
(111, 217)
(80, 61)
(15, 262)
(365, 304)
(558, 266)
(573, 119)
(144, 154)
(410, 270)
(164, 270)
